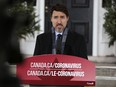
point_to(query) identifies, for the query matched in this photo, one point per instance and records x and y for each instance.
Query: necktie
(59, 44)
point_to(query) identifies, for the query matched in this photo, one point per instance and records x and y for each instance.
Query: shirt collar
(56, 33)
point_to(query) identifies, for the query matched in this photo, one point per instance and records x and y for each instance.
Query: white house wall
(103, 49)
(27, 46)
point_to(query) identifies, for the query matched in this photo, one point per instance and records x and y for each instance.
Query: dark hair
(61, 8)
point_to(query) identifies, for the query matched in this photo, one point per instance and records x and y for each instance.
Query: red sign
(56, 70)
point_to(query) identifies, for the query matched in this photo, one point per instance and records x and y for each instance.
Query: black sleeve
(83, 48)
(37, 46)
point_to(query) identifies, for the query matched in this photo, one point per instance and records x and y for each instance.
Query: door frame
(41, 11)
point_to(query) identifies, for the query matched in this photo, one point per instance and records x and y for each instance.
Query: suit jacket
(75, 44)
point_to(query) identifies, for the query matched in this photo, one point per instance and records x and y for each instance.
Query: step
(106, 71)
(105, 82)
(102, 59)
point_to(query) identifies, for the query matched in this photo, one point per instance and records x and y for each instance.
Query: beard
(59, 28)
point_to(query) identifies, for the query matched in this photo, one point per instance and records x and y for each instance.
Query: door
(81, 14)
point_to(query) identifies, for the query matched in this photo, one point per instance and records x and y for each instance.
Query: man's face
(59, 20)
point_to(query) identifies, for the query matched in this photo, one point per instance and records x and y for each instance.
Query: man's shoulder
(75, 34)
(44, 34)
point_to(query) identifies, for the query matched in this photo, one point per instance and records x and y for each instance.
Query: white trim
(106, 67)
(105, 78)
(41, 13)
(95, 28)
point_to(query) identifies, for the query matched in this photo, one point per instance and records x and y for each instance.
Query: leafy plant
(110, 21)
(24, 13)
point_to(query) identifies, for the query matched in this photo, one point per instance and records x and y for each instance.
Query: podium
(57, 69)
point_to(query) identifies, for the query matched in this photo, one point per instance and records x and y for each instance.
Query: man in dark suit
(74, 45)
(71, 43)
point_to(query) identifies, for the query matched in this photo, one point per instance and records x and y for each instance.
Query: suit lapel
(49, 42)
(69, 40)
